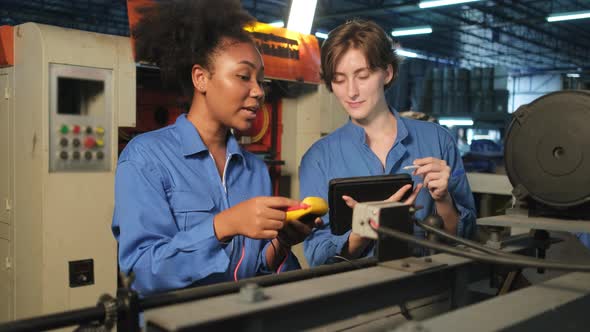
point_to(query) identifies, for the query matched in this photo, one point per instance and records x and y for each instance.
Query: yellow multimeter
(309, 209)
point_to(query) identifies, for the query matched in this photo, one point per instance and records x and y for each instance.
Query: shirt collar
(358, 133)
(192, 143)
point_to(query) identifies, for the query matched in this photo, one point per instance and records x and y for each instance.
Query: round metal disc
(548, 149)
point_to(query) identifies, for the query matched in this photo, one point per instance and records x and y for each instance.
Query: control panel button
(100, 155)
(89, 130)
(63, 142)
(64, 129)
(99, 131)
(76, 129)
(76, 142)
(89, 142)
(76, 155)
(99, 143)
(63, 155)
(88, 155)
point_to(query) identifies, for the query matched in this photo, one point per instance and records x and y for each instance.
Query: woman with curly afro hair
(191, 206)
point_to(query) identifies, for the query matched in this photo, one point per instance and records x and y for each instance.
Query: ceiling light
(451, 122)
(573, 75)
(411, 31)
(321, 35)
(405, 53)
(438, 3)
(568, 16)
(278, 24)
(300, 19)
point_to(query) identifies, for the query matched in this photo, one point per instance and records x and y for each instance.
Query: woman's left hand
(436, 174)
(294, 232)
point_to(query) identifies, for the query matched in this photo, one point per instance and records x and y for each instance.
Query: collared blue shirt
(167, 191)
(345, 153)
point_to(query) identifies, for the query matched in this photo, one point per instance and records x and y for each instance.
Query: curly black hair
(177, 34)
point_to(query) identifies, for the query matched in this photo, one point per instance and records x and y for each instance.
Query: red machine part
(156, 108)
(6, 46)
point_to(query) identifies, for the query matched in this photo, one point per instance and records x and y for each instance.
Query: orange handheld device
(309, 209)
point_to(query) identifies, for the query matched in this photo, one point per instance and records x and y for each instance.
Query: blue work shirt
(584, 239)
(345, 153)
(167, 191)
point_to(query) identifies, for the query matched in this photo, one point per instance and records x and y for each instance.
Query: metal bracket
(413, 264)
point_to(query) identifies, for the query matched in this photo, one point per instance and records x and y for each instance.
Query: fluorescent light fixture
(451, 122)
(300, 19)
(405, 53)
(411, 31)
(573, 75)
(321, 35)
(278, 24)
(568, 16)
(439, 3)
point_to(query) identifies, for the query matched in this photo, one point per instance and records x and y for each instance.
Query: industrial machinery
(547, 158)
(64, 93)
(547, 162)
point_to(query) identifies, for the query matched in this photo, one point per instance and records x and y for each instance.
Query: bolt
(428, 260)
(405, 264)
(251, 293)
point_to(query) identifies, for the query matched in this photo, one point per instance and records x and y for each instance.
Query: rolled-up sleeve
(161, 254)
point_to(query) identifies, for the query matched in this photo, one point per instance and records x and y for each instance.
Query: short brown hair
(364, 35)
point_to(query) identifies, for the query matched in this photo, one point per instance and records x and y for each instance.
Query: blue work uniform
(584, 239)
(345, 153)
(167, 191)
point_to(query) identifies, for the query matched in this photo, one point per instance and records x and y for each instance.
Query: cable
(468, 243)
(274, 248)
(513, 261)
(346, 260)
(239, 263)
(283, 263)
(277, 255)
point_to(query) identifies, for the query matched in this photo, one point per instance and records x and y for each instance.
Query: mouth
(251, 111)
(354, 104)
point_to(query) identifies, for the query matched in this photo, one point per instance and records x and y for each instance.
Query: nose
(257, 91)
(352, 89)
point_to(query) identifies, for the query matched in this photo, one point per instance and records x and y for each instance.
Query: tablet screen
(362, 189)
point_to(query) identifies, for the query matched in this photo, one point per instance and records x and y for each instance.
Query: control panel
(80, 118)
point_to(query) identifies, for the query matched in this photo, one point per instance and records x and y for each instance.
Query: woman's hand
(356, 243)
(294, 232)
(436, 174)
(257, 218)
(396, 197)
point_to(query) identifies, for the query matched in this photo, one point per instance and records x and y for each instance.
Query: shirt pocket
(191, 208)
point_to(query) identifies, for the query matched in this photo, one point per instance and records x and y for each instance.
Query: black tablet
(362, 189)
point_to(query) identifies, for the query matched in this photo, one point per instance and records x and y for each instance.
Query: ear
(389, 74)
(200, 77)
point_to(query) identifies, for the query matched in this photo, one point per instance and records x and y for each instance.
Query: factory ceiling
(509, 33)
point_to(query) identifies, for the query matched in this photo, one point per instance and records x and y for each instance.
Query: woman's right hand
(257, 218)
(356, 243)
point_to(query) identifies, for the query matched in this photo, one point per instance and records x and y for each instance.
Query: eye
(245, 78)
